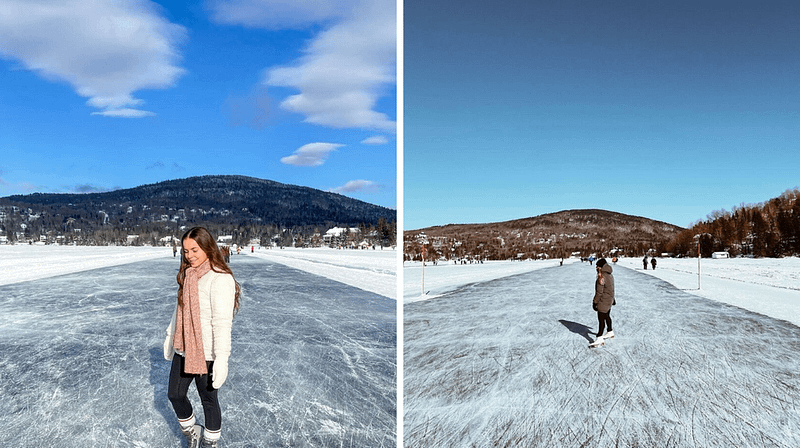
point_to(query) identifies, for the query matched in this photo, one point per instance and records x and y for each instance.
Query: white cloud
(345, 69)
(375, 140)
(106, 50)
(366, 186)
(125, 113)
(312, 154)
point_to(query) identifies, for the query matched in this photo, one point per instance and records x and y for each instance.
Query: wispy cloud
(375, 140)
(106, 50)
(155, 165)
(364, 186)
(345, 69)
(125, 113)
(312, 154)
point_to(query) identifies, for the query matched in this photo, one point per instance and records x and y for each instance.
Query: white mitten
(220, 372)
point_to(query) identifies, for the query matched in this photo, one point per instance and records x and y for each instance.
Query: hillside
(227, 203)
(551, 235)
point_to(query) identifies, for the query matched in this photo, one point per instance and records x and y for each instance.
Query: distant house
(720, 255)
(338, 235)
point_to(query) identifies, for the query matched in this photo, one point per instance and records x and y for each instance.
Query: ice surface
(770, 286)
(506, 363)
(81, 364)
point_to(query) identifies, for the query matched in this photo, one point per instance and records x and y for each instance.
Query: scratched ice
(506, 362)
(313, 363)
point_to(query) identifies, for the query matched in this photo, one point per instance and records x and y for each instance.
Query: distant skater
(174, 250)
(603, 300)
(199, 336)
(653, 262)
(644, 262)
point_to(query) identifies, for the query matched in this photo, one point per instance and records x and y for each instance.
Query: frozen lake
(313, 361)
(505, 362)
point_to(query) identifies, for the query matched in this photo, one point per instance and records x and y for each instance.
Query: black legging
(604, 318)
(179, 382)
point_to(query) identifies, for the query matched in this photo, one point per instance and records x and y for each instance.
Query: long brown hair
(208, 244)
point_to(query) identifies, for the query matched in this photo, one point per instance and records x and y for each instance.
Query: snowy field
(313, 363)
(370, 270)
(21, 262)
(497, 360)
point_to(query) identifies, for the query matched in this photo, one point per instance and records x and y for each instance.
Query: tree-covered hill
(230, 204)
(551, 235)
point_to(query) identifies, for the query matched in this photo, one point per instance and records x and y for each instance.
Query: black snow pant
(603, 319)
(179, 382)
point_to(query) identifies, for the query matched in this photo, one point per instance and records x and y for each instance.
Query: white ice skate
(609, 335)
(193, 435)
(598, 342)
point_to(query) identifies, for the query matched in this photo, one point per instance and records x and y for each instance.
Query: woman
(199, 336)
(603, 299)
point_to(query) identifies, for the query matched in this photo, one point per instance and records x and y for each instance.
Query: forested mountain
(235, 205)
(553, 235)
(769, 229)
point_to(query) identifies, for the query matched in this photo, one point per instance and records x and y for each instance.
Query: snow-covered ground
(444, 277)
(767, 286)
(22, 263)
(370, 270)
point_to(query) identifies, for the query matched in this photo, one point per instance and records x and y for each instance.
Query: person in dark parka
(603, 299)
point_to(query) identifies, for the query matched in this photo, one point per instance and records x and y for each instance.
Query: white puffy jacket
(217, 293)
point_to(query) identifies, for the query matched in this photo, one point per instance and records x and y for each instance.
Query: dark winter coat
(604, 293)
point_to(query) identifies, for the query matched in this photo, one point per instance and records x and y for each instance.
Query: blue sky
(99, 95)
(667, 110)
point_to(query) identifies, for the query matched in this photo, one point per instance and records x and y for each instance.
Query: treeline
(47, 230)
(769, 229)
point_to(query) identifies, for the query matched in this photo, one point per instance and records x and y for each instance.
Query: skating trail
(506, 363)
(81, 364)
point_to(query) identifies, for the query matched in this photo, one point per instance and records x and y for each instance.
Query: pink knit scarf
(188, 334)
